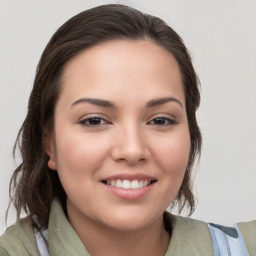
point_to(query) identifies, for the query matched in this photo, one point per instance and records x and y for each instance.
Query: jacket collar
(189, 237)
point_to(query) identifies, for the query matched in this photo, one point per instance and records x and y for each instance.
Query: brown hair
(34, 185)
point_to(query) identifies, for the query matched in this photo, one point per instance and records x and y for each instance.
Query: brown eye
(160, 121)
(93, 121)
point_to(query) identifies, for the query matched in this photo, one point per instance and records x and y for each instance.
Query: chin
(130, 221)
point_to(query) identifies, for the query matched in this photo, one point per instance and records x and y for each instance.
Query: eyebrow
(161, 101)
(98, 102)
(109, 104)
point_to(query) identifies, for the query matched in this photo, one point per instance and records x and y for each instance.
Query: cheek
(75, 166)
(173, 154)
(79, 155)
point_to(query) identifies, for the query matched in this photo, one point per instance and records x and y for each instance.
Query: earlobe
(50, 150)
(52, 164)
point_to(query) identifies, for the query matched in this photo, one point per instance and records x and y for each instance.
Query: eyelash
(101, 121)
(162, 118)
(95, 118)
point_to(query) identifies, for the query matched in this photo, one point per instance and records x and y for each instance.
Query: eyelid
(87, 117)
(172, 120)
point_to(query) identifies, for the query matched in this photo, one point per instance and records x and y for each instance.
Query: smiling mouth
(128, 184)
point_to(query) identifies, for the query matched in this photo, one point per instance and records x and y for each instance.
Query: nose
(130, 146)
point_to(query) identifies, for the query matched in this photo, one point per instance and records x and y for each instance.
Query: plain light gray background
(221, 36)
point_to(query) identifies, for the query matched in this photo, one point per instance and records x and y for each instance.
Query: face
(120, 142)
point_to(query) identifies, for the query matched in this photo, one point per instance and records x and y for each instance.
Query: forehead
(123, 66)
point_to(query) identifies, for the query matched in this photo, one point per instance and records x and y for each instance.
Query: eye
(162, 121)
(93, 121)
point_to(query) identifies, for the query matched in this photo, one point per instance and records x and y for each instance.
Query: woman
(109, 142)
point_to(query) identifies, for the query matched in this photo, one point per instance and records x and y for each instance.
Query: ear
(50, 148)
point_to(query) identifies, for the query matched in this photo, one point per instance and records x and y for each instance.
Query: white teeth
(119, 183)
(134, 184)
(127, 184)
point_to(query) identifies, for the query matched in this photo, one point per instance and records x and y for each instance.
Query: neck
(102, 240)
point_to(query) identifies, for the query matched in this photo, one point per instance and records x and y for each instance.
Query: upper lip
(130, 176)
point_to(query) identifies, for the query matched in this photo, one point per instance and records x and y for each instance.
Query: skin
(130, 138)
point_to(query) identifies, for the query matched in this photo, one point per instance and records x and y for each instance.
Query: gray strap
(41, 237)
(227, 241)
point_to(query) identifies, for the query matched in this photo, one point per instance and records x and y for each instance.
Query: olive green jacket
(189, 237)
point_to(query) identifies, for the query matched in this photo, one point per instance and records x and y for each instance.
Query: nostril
(131, 150)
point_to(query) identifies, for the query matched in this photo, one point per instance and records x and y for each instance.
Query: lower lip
(129, 194)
